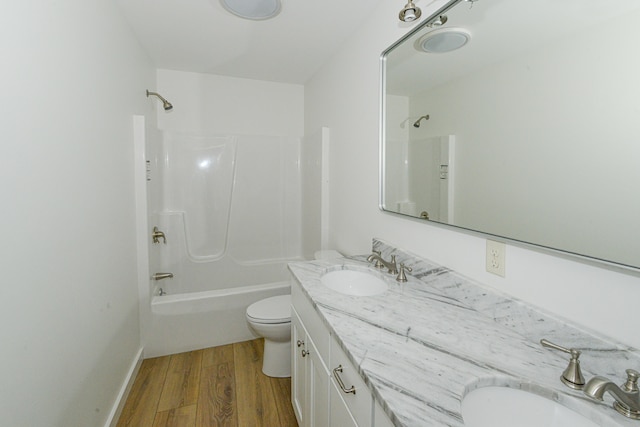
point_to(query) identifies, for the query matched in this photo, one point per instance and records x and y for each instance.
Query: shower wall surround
(226, 190)
(230, 208)
(228, 165)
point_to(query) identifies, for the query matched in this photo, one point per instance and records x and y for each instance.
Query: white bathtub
(195, 320)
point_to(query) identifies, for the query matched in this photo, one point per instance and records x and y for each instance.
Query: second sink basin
(503, 406)
(354, 282)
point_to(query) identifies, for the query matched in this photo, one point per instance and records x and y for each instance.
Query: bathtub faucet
(157, 235)
(160, 276)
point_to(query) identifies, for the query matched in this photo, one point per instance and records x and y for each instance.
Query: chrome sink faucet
(381, 263)
(627, 398)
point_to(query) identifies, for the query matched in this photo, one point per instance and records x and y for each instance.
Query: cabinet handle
(305, 352)
(352, 389)
(300, 343)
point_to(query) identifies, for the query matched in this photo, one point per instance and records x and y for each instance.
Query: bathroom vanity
(414, 351)
(326, 389)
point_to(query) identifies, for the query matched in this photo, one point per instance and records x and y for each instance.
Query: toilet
(271, 319)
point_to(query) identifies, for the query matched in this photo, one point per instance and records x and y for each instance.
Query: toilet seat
(271, 310)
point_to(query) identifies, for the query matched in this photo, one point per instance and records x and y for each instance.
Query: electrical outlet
(495, 257)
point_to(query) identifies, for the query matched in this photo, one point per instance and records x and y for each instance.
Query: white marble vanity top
(422, 345)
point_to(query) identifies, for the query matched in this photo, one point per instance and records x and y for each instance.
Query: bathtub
(228, 241)
(195, 320)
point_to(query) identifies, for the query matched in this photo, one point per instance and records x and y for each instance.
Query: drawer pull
(305, 352)
(352, 389)
(300, 343)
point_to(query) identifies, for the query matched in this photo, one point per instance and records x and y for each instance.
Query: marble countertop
(422, 345)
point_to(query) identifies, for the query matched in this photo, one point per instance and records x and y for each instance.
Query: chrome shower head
(165, 104)
(417, 123)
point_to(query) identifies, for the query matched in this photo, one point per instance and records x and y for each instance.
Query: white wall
(72, 78)
(344, 96)
(211, 104)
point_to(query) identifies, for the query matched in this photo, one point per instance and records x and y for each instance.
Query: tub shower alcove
(230, 208)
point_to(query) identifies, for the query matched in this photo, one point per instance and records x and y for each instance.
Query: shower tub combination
(229, 207)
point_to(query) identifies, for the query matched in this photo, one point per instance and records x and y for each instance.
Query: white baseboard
(118, 405)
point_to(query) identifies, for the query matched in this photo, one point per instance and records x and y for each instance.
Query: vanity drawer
(311, 320)
(360, 404)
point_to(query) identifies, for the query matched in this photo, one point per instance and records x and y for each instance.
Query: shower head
(417, 123)
(165, 104)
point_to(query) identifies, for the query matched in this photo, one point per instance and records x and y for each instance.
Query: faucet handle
(401, 276)
(378, 263)
(572, 376)
(631, 385)
(393, 267)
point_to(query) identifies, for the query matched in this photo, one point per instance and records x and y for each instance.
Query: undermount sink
(503, 406)
(354, 282)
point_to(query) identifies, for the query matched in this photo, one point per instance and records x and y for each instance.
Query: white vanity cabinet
(310, 378)
(380, 419)
(316, 394)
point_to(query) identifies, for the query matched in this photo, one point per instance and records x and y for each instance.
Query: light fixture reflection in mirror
(256, 10)
(547, 140)
(443, 40)
(439, 21)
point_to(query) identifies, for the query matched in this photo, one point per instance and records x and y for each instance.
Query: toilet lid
(271, 310)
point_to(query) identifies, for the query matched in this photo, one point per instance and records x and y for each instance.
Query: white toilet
(271, 319)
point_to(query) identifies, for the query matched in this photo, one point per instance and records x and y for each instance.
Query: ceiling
(202, 36)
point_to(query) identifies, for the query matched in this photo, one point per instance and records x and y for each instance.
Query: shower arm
(417, 122)
(165, 104)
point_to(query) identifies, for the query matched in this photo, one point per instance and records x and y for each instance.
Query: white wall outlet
(495, 257)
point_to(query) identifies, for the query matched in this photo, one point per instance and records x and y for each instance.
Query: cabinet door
(340, 415)
(360, 403)
(298, 368)
(380, 419)
(317, 387)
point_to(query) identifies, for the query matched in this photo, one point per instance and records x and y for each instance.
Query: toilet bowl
(271, 319)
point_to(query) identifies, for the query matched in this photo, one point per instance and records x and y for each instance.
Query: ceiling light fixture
(256, 10)
(410, 12)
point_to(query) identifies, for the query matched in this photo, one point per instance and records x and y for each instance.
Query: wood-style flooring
(218, 386)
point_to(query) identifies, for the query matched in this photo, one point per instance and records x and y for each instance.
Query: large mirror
(519, 119)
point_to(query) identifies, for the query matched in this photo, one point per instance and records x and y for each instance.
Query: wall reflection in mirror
(529, 130)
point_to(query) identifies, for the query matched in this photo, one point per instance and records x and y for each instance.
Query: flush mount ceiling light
(252, 9)
(443, 40)
(410, 12)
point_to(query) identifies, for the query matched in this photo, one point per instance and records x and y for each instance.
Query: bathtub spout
(160, 276)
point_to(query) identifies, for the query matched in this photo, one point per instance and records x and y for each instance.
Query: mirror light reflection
(534, 126)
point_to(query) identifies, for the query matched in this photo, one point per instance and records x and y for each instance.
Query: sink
(503, 406)
(354, 282)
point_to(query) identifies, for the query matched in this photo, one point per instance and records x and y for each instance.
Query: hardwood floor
(218, 386)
